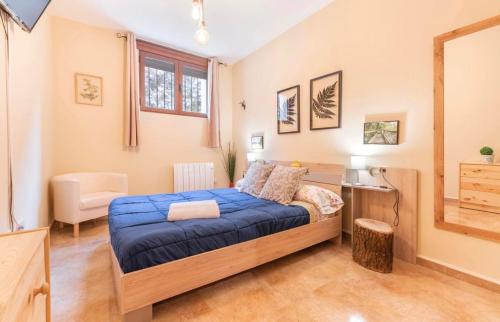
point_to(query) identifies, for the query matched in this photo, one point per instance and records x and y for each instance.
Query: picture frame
(88, 89)
(257, 142)
(325, 110)
(381, 133)
(288, 110)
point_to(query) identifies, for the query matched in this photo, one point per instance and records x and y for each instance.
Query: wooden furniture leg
(144, 314)
(76, 230)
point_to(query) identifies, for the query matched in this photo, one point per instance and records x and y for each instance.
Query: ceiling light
(196, 10)
(201, 34)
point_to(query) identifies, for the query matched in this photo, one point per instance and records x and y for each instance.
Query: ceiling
(236, 27)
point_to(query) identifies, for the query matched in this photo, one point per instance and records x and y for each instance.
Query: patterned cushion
(256, 178)
(326, 201)
(282, 184)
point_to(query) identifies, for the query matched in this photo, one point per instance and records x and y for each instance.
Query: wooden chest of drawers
(480, 186)
(25, 276)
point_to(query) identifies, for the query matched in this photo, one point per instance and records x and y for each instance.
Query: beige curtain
(132, 92)
(214, 140)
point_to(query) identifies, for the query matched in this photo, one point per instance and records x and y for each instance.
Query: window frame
(179, 59)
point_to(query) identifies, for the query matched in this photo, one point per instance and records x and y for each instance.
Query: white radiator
(193, 176)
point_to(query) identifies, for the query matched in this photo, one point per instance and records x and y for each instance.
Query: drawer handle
(43, 289)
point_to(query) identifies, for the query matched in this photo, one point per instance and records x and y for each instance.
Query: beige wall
(384, 48)
(89, 138)
(31, 124)
(472, 101)
(53, 135)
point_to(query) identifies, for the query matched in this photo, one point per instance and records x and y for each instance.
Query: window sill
(173, 112)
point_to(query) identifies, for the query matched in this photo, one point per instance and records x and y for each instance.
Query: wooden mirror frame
(439, 42)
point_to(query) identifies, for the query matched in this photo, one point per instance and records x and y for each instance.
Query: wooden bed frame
(137, 291)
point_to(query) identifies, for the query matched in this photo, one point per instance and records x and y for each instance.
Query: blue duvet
(142, 237)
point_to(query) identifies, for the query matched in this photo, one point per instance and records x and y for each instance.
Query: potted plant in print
(288, 107)
(487, 154)
(326, 101)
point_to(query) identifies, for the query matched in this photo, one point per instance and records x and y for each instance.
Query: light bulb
(202, 35)
(196, 11)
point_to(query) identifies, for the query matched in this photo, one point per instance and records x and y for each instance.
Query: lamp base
(352, 176)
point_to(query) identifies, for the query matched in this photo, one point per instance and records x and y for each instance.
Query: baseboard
(458, 274)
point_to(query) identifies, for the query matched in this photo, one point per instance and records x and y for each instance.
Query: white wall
(472, 101)
(89, 138)
(385, 49)
(31, 124)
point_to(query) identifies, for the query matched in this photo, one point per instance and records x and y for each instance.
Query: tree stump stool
(372, 244)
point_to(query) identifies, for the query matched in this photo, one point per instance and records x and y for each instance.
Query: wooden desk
(372, 201)
(352, 194)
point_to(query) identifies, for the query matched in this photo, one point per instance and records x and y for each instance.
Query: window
(172, 81)
(194, 90)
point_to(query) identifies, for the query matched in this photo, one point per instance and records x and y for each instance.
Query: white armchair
(84, 196)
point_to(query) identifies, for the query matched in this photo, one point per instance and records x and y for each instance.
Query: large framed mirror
(467, 130)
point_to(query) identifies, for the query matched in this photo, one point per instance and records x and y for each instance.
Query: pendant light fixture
(197, 13)
(201, 34)
(196, 10)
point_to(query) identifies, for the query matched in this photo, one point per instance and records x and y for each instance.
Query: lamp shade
(358, 162)
(251, 157)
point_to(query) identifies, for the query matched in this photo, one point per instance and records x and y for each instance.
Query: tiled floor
(318, 284)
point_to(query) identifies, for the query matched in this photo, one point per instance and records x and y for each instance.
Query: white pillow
(327, 201)
(239, 184)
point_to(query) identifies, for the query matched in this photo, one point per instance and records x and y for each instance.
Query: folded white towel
(193, 209)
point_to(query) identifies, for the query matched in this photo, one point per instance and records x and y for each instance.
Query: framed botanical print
(88, 89)
(288, 106)
(326, 101)
(384, 132)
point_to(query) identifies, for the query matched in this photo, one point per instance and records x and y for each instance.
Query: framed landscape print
(88, 89)
(288, 106)
(326, 101)
(257, 142)
(384, 132)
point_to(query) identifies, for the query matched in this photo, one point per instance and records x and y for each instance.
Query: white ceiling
(236, 27)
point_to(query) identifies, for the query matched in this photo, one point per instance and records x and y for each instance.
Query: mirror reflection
(472, 130)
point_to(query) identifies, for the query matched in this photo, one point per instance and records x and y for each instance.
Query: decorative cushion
(256, 178)
(282, 184)
(326, 201)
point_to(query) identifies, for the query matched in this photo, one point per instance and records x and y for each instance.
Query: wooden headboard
(325, 175)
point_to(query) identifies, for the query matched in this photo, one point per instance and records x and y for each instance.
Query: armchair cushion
(98, 199)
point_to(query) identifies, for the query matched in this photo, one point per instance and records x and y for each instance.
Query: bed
(154, 259)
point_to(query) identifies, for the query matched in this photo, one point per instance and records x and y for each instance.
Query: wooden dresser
(25, 276)
(480, 186)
